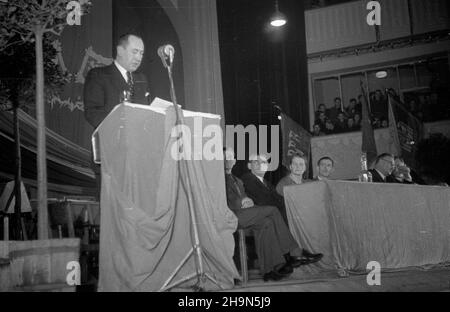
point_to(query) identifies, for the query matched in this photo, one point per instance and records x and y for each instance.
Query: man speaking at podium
(104, 86)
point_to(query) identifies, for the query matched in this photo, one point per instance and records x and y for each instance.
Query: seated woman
(297, 168)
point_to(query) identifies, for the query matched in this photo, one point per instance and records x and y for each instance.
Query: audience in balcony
(317, 131)
(321, 120)
(347, 119)
(322, 109)
(352, 108)
(340, 124)
(329, 127)
(337, 119)
(376, 122)
(334, 111)
(351, 126)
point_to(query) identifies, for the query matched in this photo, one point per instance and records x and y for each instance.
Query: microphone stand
(196, 249)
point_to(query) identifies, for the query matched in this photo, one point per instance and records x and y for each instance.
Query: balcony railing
(345, 25)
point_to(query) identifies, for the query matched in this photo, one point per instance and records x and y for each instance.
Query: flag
(406, 131)
(368, 138)
(296, 140)
(395, 143)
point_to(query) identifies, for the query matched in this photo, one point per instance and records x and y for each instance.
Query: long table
(354, 223)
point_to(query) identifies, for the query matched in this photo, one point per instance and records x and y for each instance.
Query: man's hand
(247, 203)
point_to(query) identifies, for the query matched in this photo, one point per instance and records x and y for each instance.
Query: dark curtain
(263, 66)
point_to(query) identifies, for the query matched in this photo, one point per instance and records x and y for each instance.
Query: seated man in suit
(274, 242)
(384, 165)
(297, 167)
(325, 167)
(105, 86)
(263, 193)
(259, 189)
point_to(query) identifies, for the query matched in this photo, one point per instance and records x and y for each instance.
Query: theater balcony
(411, 46)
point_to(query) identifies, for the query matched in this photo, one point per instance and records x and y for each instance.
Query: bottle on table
(364, 175)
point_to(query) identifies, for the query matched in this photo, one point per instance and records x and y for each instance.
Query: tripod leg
(177, 269)
(181, 281)
(213, 280)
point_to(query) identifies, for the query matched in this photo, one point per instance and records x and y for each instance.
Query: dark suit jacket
(235, 192)
(376, 177)
(263, 194)
(103, 90)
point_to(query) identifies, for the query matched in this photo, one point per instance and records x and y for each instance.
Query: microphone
(166, 52)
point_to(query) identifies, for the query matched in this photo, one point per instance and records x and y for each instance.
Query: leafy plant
(30, 21)
(18, 75)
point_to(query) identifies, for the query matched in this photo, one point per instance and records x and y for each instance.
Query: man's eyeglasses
(260, 161)
(391, 161)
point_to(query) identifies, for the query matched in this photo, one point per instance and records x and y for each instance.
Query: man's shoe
(285, 270)
(272, 276)
(295, 262)
(312, 258)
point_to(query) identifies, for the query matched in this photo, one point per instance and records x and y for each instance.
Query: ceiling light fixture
(381, 74)
(278, 19)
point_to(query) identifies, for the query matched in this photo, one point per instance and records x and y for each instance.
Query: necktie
(130, 85)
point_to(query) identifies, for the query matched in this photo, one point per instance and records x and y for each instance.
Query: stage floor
(306, 279)
(411, 280)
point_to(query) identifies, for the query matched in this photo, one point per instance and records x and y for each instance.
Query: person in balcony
(357, 121)
(322, 109)
(334, 111)
(340, 124)
(351, 125)
(350, 110)
(321, 121)
(317, 131)
(376, 122)
(329, 127)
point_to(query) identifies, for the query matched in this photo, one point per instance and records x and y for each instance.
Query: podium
(145, 225)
